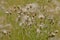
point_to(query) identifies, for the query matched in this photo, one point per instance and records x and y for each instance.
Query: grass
(26, 32)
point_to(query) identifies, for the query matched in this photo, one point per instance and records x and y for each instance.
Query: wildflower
(38, 30)
(51, 19)
(56, 31)
(18, 11)
(24, 10)
(14, 8)
(52, 34)
(8, 12)
(20, 24)
(29, 19)
(18, 18)
(32, 7)
(41, 16)
(41, 25)
(25, 17)
(4, 31)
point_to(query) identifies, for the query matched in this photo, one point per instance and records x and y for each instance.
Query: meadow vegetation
(29, 19)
